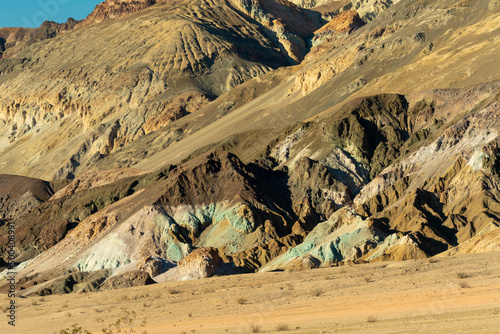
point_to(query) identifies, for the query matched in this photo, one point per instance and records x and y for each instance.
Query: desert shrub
(255, 328)
(317, 292)
(125, 324)
(282, 327)
(241, 300)
(74, 329)
(174, 291)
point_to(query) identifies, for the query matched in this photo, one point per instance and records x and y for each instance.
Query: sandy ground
(447, 295)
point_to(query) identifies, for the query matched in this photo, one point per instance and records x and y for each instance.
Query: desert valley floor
(459, 294)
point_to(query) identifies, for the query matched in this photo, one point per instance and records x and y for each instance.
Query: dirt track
(451, 295)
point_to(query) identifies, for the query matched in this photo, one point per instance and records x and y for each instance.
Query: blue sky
(32, 13)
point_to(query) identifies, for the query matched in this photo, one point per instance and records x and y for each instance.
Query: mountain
(112, 90)
(182, 139)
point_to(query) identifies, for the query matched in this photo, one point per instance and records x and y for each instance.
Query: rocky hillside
(193, 138)
(111, 90)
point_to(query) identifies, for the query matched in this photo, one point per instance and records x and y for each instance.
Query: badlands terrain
(445, 295)
(243, 143)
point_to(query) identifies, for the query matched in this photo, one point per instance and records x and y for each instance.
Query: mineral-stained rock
(344, 236)
(43, 227)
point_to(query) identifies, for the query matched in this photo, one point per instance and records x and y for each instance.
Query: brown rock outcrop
(114, 9)
(200, 263)
(343, 23)
(316, 194)
(89, 181)
(132, 278)
(19, 195)
(285, 23)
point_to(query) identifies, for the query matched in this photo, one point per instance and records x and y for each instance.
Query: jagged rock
(154, 266)
(344, 236)
(487, 240)
(285, 23)
(113, 9)
(44, 292)
(316, 194)
(42, 228)
(20, 195)
(368, 9)
(255, 257)
(93, 281)
(343, 23)
(435, 200)
(396, 248)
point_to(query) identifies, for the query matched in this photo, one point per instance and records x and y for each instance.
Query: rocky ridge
(115, 9)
